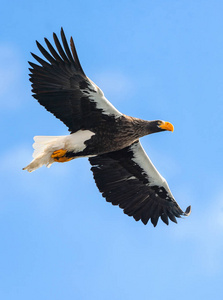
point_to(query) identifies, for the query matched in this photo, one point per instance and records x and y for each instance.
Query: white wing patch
(76, 141)
(142, 159)
(101, 102)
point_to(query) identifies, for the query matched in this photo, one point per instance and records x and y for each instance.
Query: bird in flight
(123, 172)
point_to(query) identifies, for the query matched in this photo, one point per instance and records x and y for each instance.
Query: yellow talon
(59, 153)
(60, 156)
(62, 159)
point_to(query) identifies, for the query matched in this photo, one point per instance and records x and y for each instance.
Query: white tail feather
(41, 142)
(44, 146)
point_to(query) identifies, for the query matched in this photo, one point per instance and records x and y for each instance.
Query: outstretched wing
(129, 179)
(60, 85)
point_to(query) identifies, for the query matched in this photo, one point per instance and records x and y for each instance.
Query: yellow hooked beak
(167, 126)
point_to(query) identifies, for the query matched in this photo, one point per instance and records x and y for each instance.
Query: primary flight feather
(122, 171)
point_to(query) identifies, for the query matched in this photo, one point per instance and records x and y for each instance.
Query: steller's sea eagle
(122, 171)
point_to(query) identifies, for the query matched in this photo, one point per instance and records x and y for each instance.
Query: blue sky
(59, 237)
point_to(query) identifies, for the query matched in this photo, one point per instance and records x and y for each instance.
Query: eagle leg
(60, 156)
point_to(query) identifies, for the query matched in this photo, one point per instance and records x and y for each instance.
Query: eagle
(123, 172)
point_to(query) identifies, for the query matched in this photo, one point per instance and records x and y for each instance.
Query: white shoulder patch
(142, 159)
(76, 141)
(101, 102)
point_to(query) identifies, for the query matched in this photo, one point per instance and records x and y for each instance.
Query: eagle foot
(60, 156)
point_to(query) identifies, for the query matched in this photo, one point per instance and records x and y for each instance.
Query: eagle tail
(44, 148)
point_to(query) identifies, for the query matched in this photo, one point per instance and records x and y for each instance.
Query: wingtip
(33, 55)
(187, 211)
(71, 41)
(55, 37)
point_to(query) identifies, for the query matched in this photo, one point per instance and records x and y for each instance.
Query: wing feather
(52, 51)
(129, 179)
(60, 85)
(59, 48)
(66, 47)
(74, 52)
(45, 53)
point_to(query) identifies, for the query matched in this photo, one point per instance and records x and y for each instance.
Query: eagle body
(122, 170)
(113, 135)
